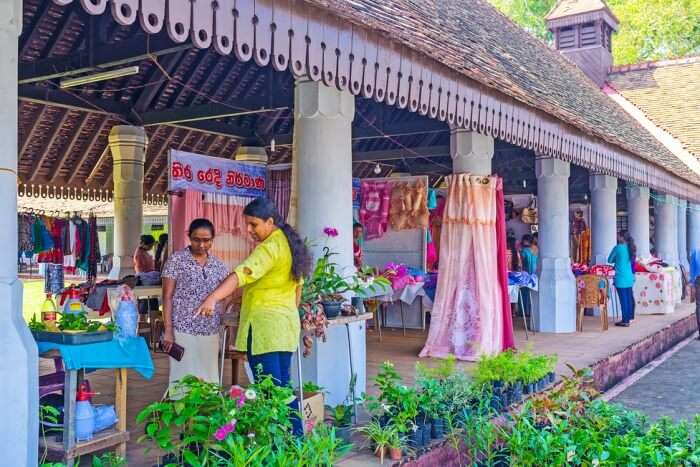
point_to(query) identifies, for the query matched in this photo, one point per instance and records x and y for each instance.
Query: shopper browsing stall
(357, 235)
(271, 278)
(188, 277)
(143, 261)
(622, 256)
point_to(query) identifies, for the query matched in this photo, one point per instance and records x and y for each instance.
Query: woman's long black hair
(264, 209)
(631, 246)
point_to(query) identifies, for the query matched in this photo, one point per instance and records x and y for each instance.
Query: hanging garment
(409, 207)
(468, 310)
(374, 211)
(501, 247)
(432, 199)
(24, 233)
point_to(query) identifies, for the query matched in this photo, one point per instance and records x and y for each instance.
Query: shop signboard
(215, 175)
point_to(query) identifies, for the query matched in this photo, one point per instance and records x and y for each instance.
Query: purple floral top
(193, 283)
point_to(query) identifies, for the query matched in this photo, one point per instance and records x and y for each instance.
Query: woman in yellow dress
(271, 278)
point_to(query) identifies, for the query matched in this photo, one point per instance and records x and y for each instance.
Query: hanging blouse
(374, 209)
(409, 207)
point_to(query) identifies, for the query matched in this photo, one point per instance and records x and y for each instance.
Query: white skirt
(201, 358)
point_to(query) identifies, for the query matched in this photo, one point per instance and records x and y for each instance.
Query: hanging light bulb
(272, 145)
(585, 197)
(524, 183)
(377, 169)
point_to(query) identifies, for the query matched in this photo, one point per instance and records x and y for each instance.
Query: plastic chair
(591, 292)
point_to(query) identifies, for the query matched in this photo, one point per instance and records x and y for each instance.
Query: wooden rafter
(192, 74)
(164, 168)
(61, 28)
(211, 77)
(98, 164)
(69, 149)
(167, 138)
(153, 86)
(55, 131)
(34, 30)
(32, 130)
(86, 150)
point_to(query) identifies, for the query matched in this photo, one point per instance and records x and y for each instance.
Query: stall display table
(339, 321)
(657, 292)
(117, 354)
(405, 296)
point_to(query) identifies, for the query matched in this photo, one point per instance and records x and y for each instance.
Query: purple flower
(241, 401)
(220, 434)
(330, 231)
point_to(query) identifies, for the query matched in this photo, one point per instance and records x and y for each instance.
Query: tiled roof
(668, 93)
(476, 40)
(575, 7)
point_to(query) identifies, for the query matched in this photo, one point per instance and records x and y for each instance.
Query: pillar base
(557, 294)
(19, 393)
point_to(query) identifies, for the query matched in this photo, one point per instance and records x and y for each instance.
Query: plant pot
(438, 429)
(497, 402)
(332, 309)
(427, 430)
(552, 377)
(517, 392)
(395, 454)
(415, 438)
(529, 388)
(344, 433)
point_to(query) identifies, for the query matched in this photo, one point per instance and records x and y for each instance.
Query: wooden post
(120, 396)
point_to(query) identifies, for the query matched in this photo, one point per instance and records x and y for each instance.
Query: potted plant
(379, 436)
(396, 444)
(341, 416)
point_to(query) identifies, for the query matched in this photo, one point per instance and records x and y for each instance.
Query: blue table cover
(129, 352)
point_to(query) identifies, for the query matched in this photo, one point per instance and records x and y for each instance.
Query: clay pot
(395, 454)
(379, 452)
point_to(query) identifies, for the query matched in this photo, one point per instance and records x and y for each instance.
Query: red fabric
(508, 337)
(279, 186)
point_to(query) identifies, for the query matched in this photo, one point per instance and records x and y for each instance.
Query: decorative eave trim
(311, 42)
(579, 18)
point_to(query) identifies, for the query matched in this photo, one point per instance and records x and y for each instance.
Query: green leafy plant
(35, 325)
(380, 436)
(341, 415)
(311, 387)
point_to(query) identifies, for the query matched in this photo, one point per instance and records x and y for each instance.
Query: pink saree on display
(467, 319)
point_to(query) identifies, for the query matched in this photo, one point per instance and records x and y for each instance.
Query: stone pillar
(682, 231)
(693, 227)
(323, 157)
(556, 300)
(19, 366)
(665, 236)
(128, 147)
(638, 218)
(604, 216)
(471, 152)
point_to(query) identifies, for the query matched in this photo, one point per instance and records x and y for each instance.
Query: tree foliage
(649, 29)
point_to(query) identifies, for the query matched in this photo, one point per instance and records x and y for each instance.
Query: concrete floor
(670, 389)
(579, 349)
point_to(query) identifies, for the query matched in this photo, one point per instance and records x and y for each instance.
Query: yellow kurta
(269, 298)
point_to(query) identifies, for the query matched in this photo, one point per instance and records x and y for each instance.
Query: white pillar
(556, 300)
(604, 216)
(19, 366)
(682, 231)
(638, 218)
(693, 227)
(471, 152)
(128, 147)
(323, 155)
(665, 236)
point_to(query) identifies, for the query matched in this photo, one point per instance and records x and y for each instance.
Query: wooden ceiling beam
(103, 57)
(98, 164)
(67, 100)
(86, 151)
(69, 149)
(166, 142)
(33, 31)
(30, 136)
(164, 168)
(395, 154)
(55, 131)
(153, 86)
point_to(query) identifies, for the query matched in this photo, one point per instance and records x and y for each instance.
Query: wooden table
(69, 448)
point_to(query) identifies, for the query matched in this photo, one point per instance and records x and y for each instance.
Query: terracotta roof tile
(669, 95)
(476, 40)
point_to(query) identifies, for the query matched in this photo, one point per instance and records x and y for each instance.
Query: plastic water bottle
(84, 414)
(127, 318)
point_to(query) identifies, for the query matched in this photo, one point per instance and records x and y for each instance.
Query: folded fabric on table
(522, 279)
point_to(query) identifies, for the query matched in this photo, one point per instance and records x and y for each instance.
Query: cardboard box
(313, 409)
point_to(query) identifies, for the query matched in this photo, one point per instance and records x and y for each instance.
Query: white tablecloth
(657, 292)
(407, 295)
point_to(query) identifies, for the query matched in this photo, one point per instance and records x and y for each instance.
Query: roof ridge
(655, 64)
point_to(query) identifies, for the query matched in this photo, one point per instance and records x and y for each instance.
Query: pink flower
(241, 401)
(330, 231)
(235, 392)
(220, 434)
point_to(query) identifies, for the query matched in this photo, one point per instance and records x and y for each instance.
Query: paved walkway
(670, 389)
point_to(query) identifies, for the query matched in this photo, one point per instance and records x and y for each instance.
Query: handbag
(529, 214)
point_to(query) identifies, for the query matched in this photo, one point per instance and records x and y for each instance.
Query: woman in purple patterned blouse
(189, 276)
